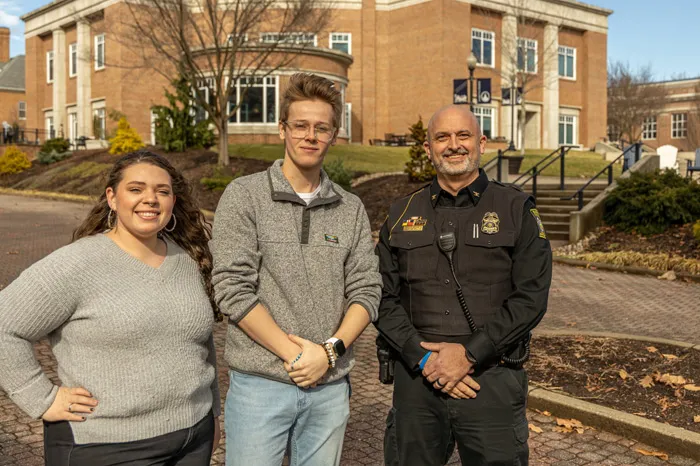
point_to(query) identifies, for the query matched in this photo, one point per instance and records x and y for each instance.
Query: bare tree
(632, 98)
(524, 42)
(218, 44)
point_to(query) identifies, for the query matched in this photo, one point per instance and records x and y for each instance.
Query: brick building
(13, 102)
(394, 60)
(678, 122)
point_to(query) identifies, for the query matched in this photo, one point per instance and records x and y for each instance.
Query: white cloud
(7, 19)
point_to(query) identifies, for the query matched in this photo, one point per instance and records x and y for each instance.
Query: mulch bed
(378, 194)
(658, 382)
(678, 240)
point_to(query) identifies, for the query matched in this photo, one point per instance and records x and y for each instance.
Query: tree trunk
(223, 142)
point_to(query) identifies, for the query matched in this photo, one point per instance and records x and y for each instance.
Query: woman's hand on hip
(70, 404)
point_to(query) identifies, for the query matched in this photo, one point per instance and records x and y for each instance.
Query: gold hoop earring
(110, 222)
(170, 230)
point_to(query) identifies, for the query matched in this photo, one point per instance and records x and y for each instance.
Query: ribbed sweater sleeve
(31, 307)
(215, 393)
(234, 247)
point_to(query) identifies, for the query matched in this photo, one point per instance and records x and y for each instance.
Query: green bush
(649, 203)
(339, 173)
(13, 161)
(696, 230)
(46, 158)
(219, 180)
(419, 167)
(59, 145)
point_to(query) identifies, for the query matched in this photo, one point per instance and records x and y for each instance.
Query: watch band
(330, 353)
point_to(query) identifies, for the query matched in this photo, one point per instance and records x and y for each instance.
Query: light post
(511, 147)
(471, 64)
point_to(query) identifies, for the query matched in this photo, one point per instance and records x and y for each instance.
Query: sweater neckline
(163, 271)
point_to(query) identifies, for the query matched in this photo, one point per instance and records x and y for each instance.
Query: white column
(509, 54)
(59, 82)
(550, 116)
(84, 79)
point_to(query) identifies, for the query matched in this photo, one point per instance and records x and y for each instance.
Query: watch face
(339, 347)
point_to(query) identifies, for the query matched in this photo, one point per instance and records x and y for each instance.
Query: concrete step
(557, 235)
(559, 194)
(555, 208)
(558, 202)
(548, 217)
(574, 186)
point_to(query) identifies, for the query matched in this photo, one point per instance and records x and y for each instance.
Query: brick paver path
(31, 228)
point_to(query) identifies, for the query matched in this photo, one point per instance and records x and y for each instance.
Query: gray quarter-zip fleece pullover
(305, 264)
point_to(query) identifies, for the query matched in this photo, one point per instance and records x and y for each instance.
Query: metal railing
(26, 135)
(634, 150)
(535, 171)
(497, 161)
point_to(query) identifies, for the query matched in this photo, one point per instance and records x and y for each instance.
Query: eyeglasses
(299, 130)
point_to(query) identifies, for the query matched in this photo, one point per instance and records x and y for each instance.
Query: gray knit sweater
(305, 263)
(138, 338)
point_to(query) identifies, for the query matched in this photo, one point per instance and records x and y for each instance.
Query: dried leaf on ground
(696, 418)
(692, 387)
(534, 428)
(670, 356)
(569, 425)
(670, 380)
(544, 413)
(658, 454)
(623, 374)
(647, 382)
(652, 349)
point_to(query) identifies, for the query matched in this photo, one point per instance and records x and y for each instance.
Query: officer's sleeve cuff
(481, 348)
(413, 352)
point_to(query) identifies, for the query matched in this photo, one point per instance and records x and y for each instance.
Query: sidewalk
(580, 299)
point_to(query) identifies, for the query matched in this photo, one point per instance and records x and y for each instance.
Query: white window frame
(649, 127)
(49, 67)
(22, 110)
(482, 112)
(229, 39)
(340, 38)
(98, 109)
(567, 120)
(483, 36)
(567, 52)
(348, 120)
(306, 38)
(527, 44)
(100, 53)
(48, 124)
(73, 124)
(73, 60)
(679, 125)
(267, 82)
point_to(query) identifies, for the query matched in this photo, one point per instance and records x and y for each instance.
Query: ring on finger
(439, 385)
(70, 407)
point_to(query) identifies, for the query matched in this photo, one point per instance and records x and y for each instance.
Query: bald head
(452, 111)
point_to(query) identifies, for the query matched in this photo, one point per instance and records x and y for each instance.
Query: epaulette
(508, 185)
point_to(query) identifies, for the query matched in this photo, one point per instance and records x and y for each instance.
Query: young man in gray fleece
(295, 272)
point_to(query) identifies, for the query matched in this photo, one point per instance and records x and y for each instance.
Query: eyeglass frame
(332, 132)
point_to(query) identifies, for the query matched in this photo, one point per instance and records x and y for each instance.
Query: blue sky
(661, 33)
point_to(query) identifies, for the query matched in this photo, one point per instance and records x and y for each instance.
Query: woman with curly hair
(128, 311)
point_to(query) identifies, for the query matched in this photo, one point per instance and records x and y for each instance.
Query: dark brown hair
(192, 231)
(305, 86)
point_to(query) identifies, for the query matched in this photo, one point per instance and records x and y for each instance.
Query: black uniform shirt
(520, 313)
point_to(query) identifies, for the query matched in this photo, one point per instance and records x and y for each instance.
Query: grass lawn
(377, 159)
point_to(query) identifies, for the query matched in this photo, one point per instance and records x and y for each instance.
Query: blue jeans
(265, 418)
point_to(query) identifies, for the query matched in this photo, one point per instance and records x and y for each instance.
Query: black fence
(35, 136)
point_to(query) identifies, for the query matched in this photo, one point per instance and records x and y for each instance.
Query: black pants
(186, 447)
(489, 430)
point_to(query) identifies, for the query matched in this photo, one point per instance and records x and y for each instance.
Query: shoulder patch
(540, 226)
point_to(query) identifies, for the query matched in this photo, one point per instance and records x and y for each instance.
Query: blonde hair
(306, 86)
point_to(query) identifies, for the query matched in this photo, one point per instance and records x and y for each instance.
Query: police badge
(490, 223)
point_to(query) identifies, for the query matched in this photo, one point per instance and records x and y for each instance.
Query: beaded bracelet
(296, 360)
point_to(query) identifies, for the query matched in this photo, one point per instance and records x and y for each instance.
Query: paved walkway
(582, 299)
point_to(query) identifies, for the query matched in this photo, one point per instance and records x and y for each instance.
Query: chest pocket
(416, 253)
(487, 256)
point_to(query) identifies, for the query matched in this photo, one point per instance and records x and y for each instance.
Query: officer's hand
(312, 365)
(450, 366)
(464, 389)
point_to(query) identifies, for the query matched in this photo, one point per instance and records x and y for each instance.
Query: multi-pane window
(341, 41)
(239, 39)
(679, 125)
(73, 60)
(483, 46)
(48, 118)
(258, 98)
(567, 130)
(72, 125)
(22, 110)
(99, 123)
(99, 52)
(484, 115)
(567, 62)
(49, 67)
(527, 55)
(649, 128)
(305, 38)
(205, 92)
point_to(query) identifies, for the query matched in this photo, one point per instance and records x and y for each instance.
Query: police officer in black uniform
(466, 266)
